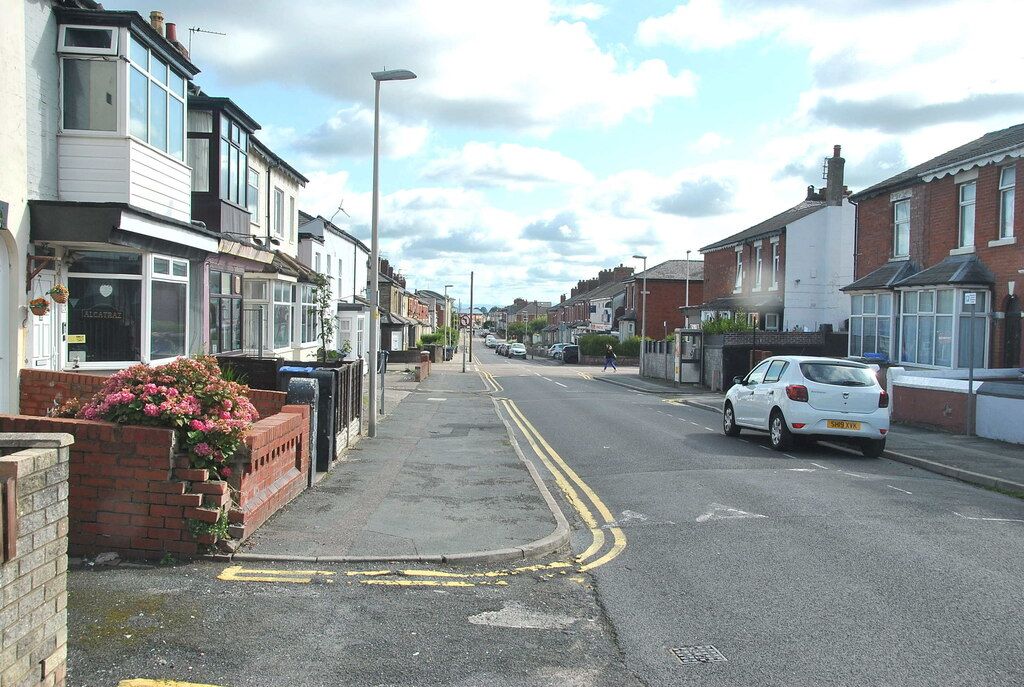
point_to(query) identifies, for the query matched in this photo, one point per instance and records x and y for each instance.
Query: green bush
(726, 325)
(630, 348)
(597, 345)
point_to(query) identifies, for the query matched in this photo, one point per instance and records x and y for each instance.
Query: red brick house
(930, 236)
(785, 273)
(670, 286)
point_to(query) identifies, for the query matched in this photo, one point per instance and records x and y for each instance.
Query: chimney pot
(156, 20)
(835, 151)
(172, 32)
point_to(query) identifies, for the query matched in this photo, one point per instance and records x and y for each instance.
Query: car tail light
(799, 425)
(797, 392)
(883, 399)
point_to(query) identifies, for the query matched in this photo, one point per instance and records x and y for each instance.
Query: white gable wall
(819, 261)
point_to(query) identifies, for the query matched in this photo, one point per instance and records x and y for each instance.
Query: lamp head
(393, 75)
(640, 257)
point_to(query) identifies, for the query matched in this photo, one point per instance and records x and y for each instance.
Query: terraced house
(930, 240)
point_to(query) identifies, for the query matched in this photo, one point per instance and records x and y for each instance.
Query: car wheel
(779, 435)
(872, 448)
(729, 425)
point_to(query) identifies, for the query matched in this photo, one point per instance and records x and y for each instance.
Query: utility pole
(472, 316)
(461, 334)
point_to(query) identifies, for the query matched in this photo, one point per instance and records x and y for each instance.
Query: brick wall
(664, 298)
(934, 231)
(272, 468)
(33, 618)
(720, 271)
(38, 389)
(938, 408)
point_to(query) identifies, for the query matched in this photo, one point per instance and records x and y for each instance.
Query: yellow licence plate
(843, 424)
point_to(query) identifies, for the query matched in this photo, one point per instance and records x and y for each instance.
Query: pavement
(442, 482)
(985, 462)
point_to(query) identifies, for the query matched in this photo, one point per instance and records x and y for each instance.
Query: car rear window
(838, 374)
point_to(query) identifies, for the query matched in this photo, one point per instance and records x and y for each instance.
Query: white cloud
(699, 25)
(507, 165)
(586, 11)
(710, 142)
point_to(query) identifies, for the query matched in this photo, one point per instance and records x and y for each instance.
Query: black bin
(328, 408)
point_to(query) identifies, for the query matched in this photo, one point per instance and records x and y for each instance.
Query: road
(817, 567)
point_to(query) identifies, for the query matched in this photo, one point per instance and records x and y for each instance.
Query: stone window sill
(1008, 241)
(963, 250)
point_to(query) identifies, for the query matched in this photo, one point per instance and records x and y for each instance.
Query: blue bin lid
(294, 368)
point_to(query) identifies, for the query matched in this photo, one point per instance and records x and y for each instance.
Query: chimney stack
(156, 20)
(811, 195)
(834, 179)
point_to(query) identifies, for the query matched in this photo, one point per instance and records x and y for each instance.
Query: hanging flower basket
(39, 306)
(59, 293)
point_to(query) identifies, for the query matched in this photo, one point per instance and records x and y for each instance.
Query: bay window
(156, 101)
(871, 324)
(928, 336)
(104, 308)
(307, 307)
(234, 162)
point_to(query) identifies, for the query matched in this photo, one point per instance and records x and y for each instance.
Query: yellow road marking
(433, 583)
(237, 573)
(584, 375)
(142, 682)
(619, 538)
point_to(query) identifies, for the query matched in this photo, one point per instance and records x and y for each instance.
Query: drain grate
(693, 655)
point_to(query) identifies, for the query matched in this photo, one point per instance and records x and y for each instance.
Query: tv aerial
(341, 208)
(192, 30)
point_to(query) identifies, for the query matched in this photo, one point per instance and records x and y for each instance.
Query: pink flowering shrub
(209, 413)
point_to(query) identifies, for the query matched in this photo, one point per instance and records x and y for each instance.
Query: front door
(43, 330)
(6, 307)
(1011, 344)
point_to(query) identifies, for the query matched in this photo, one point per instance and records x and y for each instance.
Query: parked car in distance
(490, 341)
(570, 353)
(555, 352)
(517, 350)
(803, 396)
(501, 348)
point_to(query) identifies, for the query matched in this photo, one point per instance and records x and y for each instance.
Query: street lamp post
(643, 316)
(447, 316)
(389, 75)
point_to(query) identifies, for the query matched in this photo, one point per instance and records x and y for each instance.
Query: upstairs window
(775, 265)
(757, 267)
(1007, 181)
(94, 40)
(156, 101)
(234, 162)
(901, 229)
(89, 94)
(967, 200)
(252, 196)
(738, 281)
(279, 212)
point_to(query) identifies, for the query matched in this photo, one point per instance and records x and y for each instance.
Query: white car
(800, 396)
(556, 350)
(490, 341)
(517, 350)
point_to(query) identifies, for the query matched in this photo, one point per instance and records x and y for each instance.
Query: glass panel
(1007, 177)
(107, 312)
(236, 323)
(963, 355)
(176, 83)
(139, 54)
(158, 68)
(282, 325)
(225, 282)
(908, 350)
(257, 290)
(856, 324)
(910, 302)
(926, 302)
(200, 122)
(967, 192)
(138, 105)
(214, 326)
(157, 117)
(100, 262)
(161, 265)
(870, 344)
(944, 301)
(176, 128)
(236, 134)
(214, 283)
(967, 225)
(925, 339)
(199, 161)
(168, 320)
(90, 95)
(226, 323)
(944, 341)
(885, 336)
(857, 305)
(885, 304)
(1006, 214)
(225, 153)
(88, 38)
(231, 193)
(869, 305)
(243, 166)
(225, 127)
(252, 195)
(179, 268)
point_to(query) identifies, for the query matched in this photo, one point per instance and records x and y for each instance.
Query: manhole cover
(692, 655)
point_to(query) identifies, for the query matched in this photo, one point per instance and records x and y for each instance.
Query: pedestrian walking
(609, 359)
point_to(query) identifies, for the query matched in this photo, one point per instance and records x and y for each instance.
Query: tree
(323, 300)
(538, 324)
(516, 330)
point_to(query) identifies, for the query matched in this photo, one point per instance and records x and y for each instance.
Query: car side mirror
(738, 380)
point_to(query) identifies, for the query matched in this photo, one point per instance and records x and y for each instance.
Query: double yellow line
(576, 491)
(489, 381)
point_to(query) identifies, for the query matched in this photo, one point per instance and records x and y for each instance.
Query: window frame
(279, 212)
(738, 280)
(858, 315)
(233, 155)
(118, 84)
(164, 84)
(1006, 227)
(253, 202)
(776, 263)
(956, 313)
(962, 208)
(896, 223)
(231, 296)
(758, 261)
(64, 48)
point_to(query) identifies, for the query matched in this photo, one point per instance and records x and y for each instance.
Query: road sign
(464, 320)
(970, 298)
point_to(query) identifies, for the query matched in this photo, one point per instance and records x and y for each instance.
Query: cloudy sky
(547, 139)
